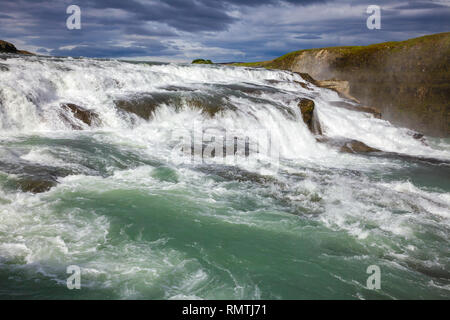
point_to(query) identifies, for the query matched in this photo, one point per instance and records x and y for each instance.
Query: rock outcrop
(355, 146)
(144, 107)
(34, 185)
(88, 117)
(7, 47)
(408, 81)
(307, 107)
(347, 145)
(341, 87)
(31, 177)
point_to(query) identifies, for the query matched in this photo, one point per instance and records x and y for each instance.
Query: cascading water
(141, 220)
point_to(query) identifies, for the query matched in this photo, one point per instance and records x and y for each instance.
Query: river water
(142, 220)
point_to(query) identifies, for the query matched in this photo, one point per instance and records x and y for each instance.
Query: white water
(33, 88)
(391, 219)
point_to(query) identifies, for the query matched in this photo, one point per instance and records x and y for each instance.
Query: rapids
(143, 221)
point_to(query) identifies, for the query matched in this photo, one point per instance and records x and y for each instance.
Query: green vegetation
(202, 61)
(354, 52)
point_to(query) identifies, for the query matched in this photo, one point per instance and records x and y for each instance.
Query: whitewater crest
(40, 94)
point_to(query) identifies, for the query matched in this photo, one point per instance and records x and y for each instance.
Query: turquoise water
(142, 229)
(142, 221)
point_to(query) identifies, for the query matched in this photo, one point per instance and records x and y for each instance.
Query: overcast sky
(221, 30)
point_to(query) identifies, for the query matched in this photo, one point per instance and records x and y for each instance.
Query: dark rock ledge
(7, 47)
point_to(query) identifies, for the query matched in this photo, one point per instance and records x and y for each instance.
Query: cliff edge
(408, 81)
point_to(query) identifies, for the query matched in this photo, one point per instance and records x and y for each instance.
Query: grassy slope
(361, 53)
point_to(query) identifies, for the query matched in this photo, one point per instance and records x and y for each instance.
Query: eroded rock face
(88, 117)
(308, 78)
(340, 86)
(307, 107)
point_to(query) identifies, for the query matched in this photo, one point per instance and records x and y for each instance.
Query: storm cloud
(227, 30)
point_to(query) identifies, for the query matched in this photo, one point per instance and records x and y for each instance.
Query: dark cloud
(217, 29)
(414, 5)
(102, 51)
(308, 37)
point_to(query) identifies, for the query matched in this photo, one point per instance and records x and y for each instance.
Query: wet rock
(347, 145)
(307, 107)
(355, 146)
(303, 85)
(209, 105)
(357, 107)
(232, 173)
(178, 88)
(307, 77)
(143, 107)
(30, 177)
(34, 185)
(4, 67)
(88, 117)
(418, 136)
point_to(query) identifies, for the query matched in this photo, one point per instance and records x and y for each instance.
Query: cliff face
(408, 81)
